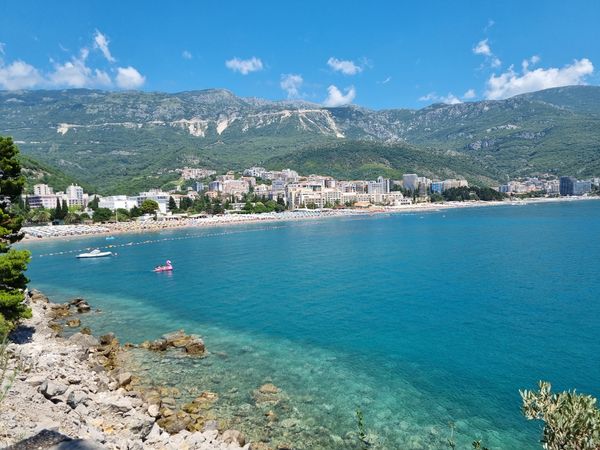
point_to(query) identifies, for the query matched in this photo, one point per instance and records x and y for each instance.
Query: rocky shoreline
(77, 388)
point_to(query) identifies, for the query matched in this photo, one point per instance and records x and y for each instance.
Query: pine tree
(57, 211)
(64, 210)
(94, 203)
(172, 204)
(13, 263)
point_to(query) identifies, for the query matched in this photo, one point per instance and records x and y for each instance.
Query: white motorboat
(96, 253)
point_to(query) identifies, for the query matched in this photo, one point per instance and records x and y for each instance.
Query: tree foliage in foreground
(571, 420)
(13, 263)
(149, 206)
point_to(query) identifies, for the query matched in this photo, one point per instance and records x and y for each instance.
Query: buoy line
(156, 241)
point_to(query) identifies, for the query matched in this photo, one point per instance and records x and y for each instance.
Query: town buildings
(196, 174)
(312, 191)
(572, 186)
(45, 197)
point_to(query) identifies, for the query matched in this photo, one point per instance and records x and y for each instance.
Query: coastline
(78, 389)
(288, 216)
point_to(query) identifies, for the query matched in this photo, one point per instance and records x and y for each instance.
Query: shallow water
(419, 320)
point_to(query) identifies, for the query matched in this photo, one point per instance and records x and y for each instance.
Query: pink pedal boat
(166, 268)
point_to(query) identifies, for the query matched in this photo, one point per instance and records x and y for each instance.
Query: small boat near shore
(96, 253)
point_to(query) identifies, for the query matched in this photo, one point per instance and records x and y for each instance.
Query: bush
(102, 215)
(571, 420)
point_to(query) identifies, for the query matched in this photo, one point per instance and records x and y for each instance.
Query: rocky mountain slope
(127, 140)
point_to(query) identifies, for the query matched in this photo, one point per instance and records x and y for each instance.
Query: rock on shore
(62, 385)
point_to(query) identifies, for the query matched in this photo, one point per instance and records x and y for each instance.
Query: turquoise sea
(419, 320)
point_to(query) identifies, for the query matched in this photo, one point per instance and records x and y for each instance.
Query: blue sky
(375, 54)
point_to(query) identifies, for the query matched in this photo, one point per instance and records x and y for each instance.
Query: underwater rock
(268, 388)
(81, 305)
(267, 394)
(192, 344)
(59, 310)
(176, 339)
(74, 323)
(159, 345)
(195, 346)
(271, 416)
(174, 423)
(83, 308)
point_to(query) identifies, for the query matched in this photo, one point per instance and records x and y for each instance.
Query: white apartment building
(42, 189)
(43, 197)
(75, 196)
(42, 201)
(114, 202)
(162, 198)
(381, 186)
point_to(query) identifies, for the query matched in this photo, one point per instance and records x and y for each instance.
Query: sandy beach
(37, 233)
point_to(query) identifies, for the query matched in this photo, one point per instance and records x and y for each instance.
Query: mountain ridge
(105, 138)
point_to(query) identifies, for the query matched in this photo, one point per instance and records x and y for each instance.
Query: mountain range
(127, 141)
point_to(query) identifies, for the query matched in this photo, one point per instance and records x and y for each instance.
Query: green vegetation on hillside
(36, 172)
(130, 141)
(368, 160)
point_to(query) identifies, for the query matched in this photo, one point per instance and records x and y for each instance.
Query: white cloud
(244, 66)
(129, 78)
(531, 61)
(77, 74)
(19, 75)
(344, 66)
(386, 81)
(335, 97)
(186, 54)
(428, 97)
(511, 83)
(291, 83)
(101, 43)
(2, 47)
(449, 99)
(469, 94)
(482, 48)
(74, 73)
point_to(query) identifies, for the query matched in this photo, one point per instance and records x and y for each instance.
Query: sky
(375, 54)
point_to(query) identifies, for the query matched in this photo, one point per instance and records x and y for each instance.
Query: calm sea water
(419, 320)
